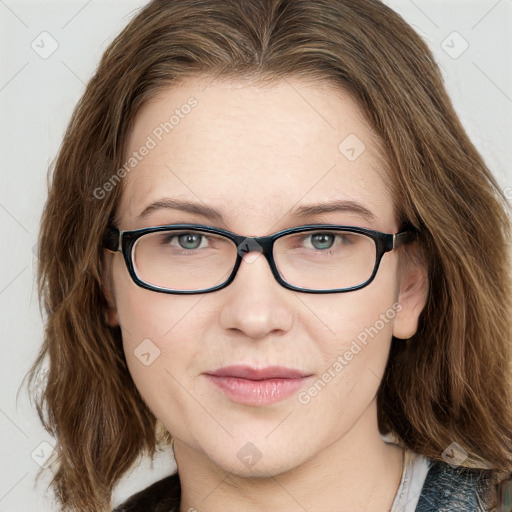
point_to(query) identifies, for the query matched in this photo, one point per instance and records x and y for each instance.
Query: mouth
(263, 386)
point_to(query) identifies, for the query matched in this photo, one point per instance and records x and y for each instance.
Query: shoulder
(450, 488)
(162, 496)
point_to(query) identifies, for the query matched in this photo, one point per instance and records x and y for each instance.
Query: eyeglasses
(192, 258)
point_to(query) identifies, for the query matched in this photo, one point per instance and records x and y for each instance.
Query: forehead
(252, 151)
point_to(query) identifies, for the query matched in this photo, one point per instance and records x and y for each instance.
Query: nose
(255, 303)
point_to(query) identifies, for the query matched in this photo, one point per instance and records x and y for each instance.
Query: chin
(249, 461)
(260, 471)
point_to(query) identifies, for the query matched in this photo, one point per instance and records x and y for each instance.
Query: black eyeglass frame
(123, 241)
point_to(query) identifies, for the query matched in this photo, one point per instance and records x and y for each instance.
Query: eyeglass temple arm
(111, 239)
(404, 237)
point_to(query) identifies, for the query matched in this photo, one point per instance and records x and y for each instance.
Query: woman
(270, 244)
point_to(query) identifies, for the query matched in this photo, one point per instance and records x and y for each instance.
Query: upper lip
(270, 372)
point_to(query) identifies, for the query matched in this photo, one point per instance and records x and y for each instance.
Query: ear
(413, 289)
(110, 311)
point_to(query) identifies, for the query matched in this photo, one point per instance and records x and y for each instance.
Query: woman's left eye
(322, 240)
(326, 240)
(190, 240)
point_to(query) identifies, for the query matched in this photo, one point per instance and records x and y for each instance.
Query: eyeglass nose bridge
(263, 246)
(254, 244)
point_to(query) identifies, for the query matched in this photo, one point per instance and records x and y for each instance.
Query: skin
(254, 153)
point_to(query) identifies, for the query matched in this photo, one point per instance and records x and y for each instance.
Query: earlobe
(110, 311)
(412, 297)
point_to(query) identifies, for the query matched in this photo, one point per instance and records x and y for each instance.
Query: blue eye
(189, 240)
(322, 240)
(185, 240)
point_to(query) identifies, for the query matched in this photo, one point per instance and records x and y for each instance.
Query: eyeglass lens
(195, 260)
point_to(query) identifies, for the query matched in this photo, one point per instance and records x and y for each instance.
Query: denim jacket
(446, 489)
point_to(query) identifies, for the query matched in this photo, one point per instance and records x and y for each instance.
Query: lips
(270, 372)
(262, 386)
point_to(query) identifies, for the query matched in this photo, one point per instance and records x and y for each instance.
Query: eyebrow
(348, 206)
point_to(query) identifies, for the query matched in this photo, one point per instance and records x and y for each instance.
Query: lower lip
(256, 392)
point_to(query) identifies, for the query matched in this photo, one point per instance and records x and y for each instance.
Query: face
(255, 155)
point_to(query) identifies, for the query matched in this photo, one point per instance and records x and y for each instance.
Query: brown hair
(451, 382)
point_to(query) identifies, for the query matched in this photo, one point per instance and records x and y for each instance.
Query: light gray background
(37, 94)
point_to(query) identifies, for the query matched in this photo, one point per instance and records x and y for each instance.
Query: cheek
(170, 323)
(353, 331)
(162, 335)
(163, 341)
(147, 314)
(364, 314)
(353, 362)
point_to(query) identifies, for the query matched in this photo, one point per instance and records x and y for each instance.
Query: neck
(354, 473)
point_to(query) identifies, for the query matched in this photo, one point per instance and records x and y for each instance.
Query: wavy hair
(450, 382)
